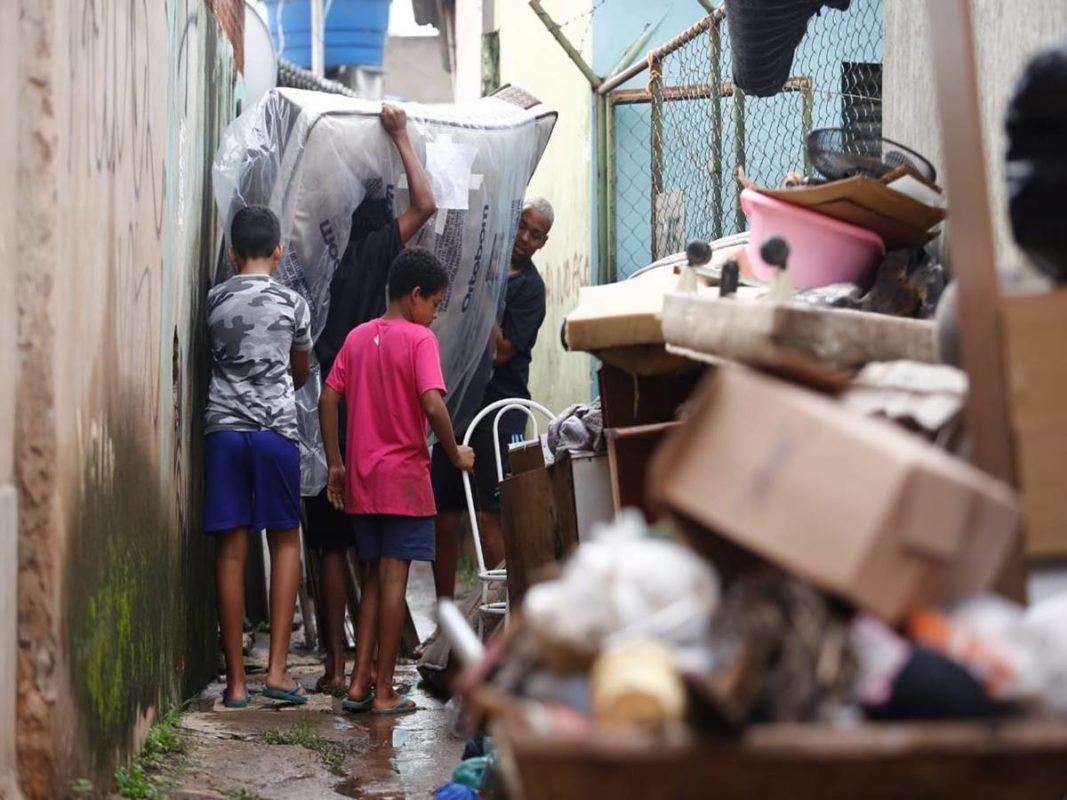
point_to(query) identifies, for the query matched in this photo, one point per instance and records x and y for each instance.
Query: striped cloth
(764, 34)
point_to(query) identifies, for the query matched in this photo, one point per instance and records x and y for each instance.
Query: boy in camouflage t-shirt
(260, 339)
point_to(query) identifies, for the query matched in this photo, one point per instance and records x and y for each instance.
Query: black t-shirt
(524, 311)
(357, 291)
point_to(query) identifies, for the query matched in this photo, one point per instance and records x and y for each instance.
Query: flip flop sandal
(405, 706)
(292, 696)
(358, 706)
(333, 691)
(238, 703)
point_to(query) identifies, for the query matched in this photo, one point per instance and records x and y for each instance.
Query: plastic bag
(313, 157)
(623, 586)
(314, 471)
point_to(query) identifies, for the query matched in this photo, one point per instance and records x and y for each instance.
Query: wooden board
(530, 524)
(630, 453)
(796, 762)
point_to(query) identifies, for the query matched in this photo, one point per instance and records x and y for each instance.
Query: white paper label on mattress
(449, 166)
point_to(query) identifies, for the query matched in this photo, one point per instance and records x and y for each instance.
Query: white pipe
(318, 39)
(468, 75)
(465, 642)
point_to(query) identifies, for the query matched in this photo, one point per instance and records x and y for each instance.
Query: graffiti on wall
(139, 91)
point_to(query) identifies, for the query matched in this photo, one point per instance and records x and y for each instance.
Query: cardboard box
(1034, 325)
(858, 507)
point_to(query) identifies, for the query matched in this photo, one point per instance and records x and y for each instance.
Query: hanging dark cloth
(764, 34)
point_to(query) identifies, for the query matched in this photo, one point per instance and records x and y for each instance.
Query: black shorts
(447, 481)
(326, 528)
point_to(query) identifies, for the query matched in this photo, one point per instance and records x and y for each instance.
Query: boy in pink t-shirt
(389, 372)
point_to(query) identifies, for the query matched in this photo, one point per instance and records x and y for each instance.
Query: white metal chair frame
(490, 576)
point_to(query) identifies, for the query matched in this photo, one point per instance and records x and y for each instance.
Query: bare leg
(231, 554)
(446, 558)
(367, 637)
(393, 582)
(334, 600)
(492, 538)
(284, 577)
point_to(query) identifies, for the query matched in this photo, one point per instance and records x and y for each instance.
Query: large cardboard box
(1034, 326)
(860, 508)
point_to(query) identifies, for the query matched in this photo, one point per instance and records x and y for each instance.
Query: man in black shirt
(515, 336)
(357, 295)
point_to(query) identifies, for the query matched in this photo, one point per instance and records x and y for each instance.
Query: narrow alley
(533, 399)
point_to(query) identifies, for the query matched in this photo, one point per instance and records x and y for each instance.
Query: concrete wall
(1006, 38)
(531, 58)
(8, 360)
(414, 69)
(121, 106)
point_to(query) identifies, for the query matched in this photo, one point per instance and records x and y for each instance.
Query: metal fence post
(715, 87)
(655, 86)
(739, 148)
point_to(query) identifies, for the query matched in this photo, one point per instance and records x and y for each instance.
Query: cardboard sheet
(1034, 325)
(627, 312)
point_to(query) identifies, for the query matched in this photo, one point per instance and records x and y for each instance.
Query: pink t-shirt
(383, 369)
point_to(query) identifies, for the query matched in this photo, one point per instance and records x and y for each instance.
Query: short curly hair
(416, 267)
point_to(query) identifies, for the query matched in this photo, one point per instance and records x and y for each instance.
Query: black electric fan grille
(839, 153)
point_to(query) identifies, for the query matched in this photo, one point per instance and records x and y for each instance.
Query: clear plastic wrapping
(313, 158)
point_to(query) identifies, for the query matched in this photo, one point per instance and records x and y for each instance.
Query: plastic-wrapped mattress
(313, 158)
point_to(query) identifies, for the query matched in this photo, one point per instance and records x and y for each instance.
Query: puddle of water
(400, 737)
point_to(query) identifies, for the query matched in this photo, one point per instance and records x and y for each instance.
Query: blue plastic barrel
(355, 31)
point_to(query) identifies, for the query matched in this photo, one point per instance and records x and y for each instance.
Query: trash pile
(799, 595)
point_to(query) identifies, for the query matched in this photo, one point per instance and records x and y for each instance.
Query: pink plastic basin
(822, 250)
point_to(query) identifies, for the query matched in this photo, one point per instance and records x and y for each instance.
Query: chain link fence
(675, 146)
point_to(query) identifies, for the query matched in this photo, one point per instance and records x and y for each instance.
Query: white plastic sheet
(313, 157)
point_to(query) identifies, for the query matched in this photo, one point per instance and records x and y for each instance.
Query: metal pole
(603, 265)
(612, 272)
(318, 39)
(683, 38)
(807, 99)
(564, 42)
(739, 149)
(655, 85)
(715, 82)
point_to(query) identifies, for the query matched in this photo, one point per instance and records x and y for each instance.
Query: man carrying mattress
(515, 335)
(357, 295)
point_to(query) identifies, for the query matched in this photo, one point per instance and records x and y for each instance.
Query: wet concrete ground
(376, 757)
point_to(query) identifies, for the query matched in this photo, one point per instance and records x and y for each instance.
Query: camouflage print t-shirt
(253, 324)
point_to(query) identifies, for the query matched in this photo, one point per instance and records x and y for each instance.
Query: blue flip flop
(405, 706)
(358, 706)
(292, 696)
(242, 703)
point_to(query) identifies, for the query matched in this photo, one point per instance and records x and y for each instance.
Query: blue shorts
(251, 478)
(389, 536)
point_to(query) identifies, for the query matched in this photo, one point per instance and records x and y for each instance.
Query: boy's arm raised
(422, 206)
(329, 405)
(441, 424)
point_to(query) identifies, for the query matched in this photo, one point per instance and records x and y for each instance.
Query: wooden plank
(528, 523)
(970, 234)
(873, 762)
(973, 250)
